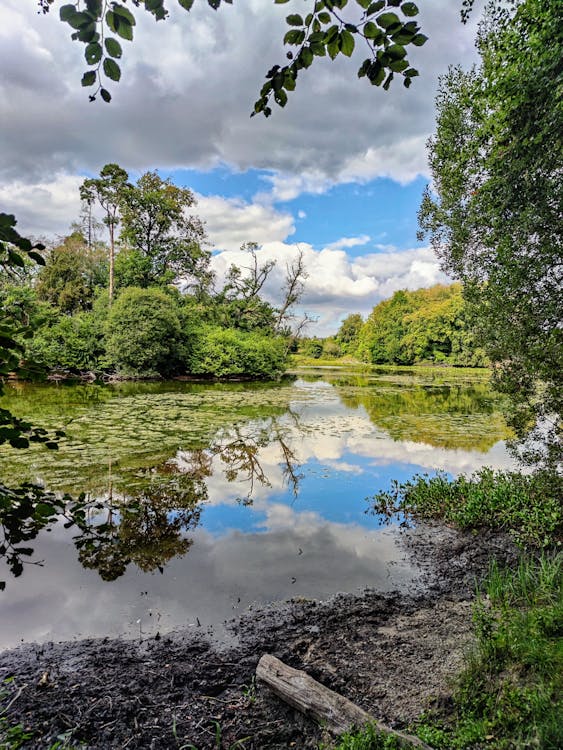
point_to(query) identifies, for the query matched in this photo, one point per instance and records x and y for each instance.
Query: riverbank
(394, 655)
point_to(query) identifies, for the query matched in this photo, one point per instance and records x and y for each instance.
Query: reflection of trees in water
(147, 529)
(447, 416)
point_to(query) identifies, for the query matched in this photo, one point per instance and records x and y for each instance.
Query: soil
(393, 654)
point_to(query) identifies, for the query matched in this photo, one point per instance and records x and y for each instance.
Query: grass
(527, 506)
(510, 694)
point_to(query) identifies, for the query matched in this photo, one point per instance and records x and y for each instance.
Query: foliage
(231, 353)
(428, 325)
(72, 274)
(155, 225)
(323, 31)
(495, 219)
(509, 694)
(528, 506)
(106, 190)
(349, 332)
(369, 738)
(73, 343)
(144, 332)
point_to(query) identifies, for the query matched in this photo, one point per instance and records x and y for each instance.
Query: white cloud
(338, 283)
(345, 242)
(188, 104)
(231, 221)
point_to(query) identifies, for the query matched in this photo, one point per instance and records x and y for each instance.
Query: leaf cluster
(385, 27)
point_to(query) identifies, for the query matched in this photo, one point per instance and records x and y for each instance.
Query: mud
(393, 654)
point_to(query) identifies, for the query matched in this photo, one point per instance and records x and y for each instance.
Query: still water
(201, 501)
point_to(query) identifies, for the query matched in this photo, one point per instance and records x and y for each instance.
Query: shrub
(226, 352)
(144, 334)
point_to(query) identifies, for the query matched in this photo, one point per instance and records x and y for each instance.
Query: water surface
(209, 499)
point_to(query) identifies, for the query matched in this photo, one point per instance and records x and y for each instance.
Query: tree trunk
(336, 713)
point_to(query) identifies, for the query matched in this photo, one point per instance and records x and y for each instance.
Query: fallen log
(336, 713)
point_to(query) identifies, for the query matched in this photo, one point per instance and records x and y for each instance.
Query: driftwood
(336, 713)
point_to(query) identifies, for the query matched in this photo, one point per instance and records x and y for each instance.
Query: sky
(338, 174)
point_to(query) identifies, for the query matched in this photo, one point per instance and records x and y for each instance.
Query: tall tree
(71, 274)
(156, 224)
(495, 216)
(107, 190)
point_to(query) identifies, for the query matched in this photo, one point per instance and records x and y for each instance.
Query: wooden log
(336, 713)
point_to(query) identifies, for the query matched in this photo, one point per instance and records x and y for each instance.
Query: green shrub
(144, 334)
(526, 505)
(69, 343)
(226, 352)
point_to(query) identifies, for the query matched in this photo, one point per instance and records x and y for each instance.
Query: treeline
(146, 304)
(429, 325)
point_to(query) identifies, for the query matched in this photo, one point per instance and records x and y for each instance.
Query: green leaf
(112, 69)
(125, 31)
(36, 257)
(78, 20)
(187, 4)
(419, 40)
(294, 20)
(306, 57)
(385, 20)
(113, 48)
(93, 53)
(122, 12)
(106, 96)
(347, 43)
(67, 12)
(324, 17)
(409, 9)
(89, 78)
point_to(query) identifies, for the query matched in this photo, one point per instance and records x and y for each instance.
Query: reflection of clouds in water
(454, 461)
(314, 443)
(303, 555)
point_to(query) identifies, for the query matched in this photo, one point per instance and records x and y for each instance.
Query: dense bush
(144, 334)
(429, 325)
(70, 342)
(528, 506)
(221, 352)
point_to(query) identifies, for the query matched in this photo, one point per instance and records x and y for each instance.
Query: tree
(107, 190)
(144, 332)
(325, 30)
(168, 240)
(349, 332)
(495, 218)
(72, 274)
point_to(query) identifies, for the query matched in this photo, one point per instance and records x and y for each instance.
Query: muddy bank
(392, 654)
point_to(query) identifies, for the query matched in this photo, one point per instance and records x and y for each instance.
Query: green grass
(527, 506)
(510, 694)
(369, 738)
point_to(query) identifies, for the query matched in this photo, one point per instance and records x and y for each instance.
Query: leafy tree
(72, 274)
(385, 28)
(349, 332)
(495, 218)
(144, 332)
(107, 190)
(429, 325)
(156, 226)
(220, 353)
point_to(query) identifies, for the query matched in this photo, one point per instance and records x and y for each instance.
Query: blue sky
(337, 175)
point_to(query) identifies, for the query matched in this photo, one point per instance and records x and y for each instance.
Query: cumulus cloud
(338, 283)
(189, 105)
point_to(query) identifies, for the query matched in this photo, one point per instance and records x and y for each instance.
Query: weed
(527, 506)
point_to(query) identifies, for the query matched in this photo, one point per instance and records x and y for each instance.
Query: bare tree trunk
(111, 259)
(334, 711)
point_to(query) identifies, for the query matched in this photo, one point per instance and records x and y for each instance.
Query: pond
(203, 500)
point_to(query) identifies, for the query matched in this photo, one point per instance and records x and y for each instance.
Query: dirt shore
(393, 654)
